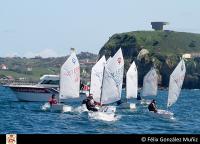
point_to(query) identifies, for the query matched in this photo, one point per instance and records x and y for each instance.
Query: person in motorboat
(53, 100)
(152, 106)
(138, 96)
(90, 104)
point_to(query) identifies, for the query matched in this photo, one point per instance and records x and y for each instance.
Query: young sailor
(152, 106)
(138, 96)
(119, 102)
(90, 103)
(53, 100)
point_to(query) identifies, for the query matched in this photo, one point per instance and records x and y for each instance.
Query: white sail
(108, 60)
(150, 83)
(113, 79)
(70, 78)
(132, 82)
(96, 79)
(176, 82)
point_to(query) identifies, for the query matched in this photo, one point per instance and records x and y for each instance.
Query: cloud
(44, 53)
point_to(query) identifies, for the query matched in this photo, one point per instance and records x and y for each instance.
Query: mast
(102, 83)
(59, 88)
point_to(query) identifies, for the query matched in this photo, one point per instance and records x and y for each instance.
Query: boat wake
(103, 116)
(54, 108)
(80, 109)
(145, 103)
(45, 107)
(67, 108)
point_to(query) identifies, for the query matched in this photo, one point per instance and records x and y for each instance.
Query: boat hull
(127, 106)
(35, 94)
(32, 97)
(31, 94)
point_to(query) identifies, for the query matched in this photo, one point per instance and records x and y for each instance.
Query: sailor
(84, 101)
(152, 106)
(90, 104)
(87, 99)
(138, 96)
(119, 102)
(53, 100)
(81, 85)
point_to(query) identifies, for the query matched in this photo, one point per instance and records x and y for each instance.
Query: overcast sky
(30, 28)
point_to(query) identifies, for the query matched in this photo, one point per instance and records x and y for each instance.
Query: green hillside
(165, 49)
(18, 67)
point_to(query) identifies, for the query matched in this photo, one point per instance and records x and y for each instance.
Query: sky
(49, 28)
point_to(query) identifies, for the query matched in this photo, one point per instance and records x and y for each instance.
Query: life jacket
(89, 104)
(52, 101)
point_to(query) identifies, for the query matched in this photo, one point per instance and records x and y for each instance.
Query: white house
(4, 67)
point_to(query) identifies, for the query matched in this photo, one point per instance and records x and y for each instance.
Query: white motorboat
(38, 92)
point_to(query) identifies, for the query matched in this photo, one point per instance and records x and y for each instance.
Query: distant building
(29, 69)
(158, 25)
(195, 55)
(73, 50)
(4, 67)
(191, 55)
(187, 56)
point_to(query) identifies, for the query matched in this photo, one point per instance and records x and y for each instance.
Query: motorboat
(38, 92)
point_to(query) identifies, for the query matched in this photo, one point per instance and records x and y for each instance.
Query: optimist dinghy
(131, 87)
(110, 88)
(150, 86)
(69, 83)
(175, 85)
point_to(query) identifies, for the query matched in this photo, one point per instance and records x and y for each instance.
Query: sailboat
(131, 87)
(175, 85)
(97, 78)
(111, 86)
(113, 79)
(69, 83)
(150, 85)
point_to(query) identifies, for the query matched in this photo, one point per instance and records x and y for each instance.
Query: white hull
(127, 106)
(56, 107)
(107, 109)
(43, 97)
(60, 108)
(105, 113)
(33, 97)
(40, 95)
(163, 113)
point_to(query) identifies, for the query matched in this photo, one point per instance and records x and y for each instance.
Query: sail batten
(132, 82)
(70, 78)
(176, 82)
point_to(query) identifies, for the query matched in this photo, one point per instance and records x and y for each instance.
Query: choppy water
(27, 117)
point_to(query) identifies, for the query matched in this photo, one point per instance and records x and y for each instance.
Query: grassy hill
(165, 49)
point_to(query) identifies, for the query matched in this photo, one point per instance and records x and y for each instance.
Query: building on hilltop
(158, 25)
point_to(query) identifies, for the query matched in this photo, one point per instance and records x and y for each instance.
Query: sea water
(28, 117)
